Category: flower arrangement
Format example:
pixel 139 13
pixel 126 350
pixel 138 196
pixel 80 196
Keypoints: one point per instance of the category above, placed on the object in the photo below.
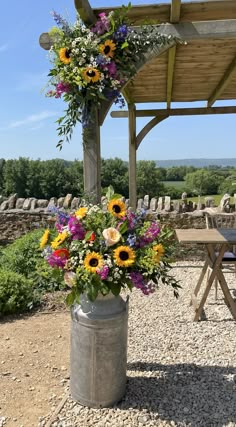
pixel 90 65
pixel 105 249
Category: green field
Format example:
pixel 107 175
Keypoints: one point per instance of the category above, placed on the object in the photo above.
pixel 177 184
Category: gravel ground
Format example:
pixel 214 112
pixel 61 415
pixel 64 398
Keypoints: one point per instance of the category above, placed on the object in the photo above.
pixel 179 373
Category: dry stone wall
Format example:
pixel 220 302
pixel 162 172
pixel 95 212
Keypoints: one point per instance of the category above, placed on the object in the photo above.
pixel 18 215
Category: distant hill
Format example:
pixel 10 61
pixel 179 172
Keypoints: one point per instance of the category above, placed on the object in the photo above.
pixel 198 163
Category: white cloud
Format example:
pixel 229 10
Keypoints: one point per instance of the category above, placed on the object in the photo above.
pixel 33 118
pixel 3 47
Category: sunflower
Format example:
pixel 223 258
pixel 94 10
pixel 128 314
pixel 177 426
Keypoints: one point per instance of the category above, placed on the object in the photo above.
pixel 108 48
pixel 59 239
pixel 81 212
pixel 124 256
pixel 92 262
pixel 64 55
pixel 158 252
pixel 91 74
pixel 44 239
pixel 117 208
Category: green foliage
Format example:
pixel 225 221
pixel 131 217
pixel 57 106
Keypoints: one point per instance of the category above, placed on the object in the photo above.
pixel 228 185
pixel 16 293
pixel 115 172
pixel 24 257
pixel 148 180
pixel 203 182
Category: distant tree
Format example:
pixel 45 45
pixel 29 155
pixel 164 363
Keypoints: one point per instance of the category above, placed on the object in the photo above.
pixel 2 163
pixel 203 182
pixel 228 185
pixel 148 181
pixel 115 172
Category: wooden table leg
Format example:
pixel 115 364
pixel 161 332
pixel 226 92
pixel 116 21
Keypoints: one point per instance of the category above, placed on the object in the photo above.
pixel 228 298
pixel 215 264
pixel 198 286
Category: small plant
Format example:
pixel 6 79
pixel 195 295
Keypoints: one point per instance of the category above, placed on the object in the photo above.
pixel 16 293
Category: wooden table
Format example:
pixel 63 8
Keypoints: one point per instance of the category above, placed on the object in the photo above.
pixel 222 238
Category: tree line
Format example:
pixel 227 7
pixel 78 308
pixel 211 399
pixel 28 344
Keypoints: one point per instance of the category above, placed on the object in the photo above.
pixel 44 179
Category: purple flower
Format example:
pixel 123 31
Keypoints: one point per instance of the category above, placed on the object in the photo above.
pixel 112 69
pixel 61 88
pixel 61 22
pixel 150 234
pixel 131 219
pixel 121 33
pixel 103 272
pixel 140 282
pixel 131 240
pixel 101 60
pixel 76 228
pixel 62 220
pixel 56 261
pixel 102 25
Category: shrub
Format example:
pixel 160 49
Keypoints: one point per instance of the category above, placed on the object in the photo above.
pixel 16 293
pixel 24 257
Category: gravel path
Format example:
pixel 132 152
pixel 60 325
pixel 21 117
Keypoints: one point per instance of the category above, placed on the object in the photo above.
pixel 180 372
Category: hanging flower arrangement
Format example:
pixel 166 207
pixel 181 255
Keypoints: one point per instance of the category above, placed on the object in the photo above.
pixel 92 64
pixel 106 249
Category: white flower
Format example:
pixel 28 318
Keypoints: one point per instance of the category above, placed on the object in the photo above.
pixel 84 55
pixel 111 236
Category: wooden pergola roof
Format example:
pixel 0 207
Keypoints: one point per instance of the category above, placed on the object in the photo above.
pixel 204 69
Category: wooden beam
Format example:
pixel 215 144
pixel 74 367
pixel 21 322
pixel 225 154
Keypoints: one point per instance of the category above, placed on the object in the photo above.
pixel 177 112
pixel 132 157
pixel 174 18
pixel 85 11
pixel 190 11
pixel 223 83
pixel 149 126
pixel 200 30
pixel 92 160
pixel 170 74
pixel 175 11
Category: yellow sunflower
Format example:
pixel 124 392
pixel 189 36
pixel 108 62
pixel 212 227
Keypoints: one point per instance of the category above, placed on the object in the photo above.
pixel 117 208
pixel 158 252
pixel 44 239
pixel 59 239
pixel 91 74
pixel 64 55
pixel 81 212
pixel 93 261
pixel 108 48
pixel 124 256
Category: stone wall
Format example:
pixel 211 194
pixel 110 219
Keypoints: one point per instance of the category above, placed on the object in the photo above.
pixel 18 216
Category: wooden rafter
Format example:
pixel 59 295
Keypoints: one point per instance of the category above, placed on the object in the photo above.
pixel 177 112
pixel 175 11
pixel 223 83
pixel 85 11
pixel 174 18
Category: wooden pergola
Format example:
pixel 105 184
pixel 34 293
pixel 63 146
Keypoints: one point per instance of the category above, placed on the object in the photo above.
pixel 204 69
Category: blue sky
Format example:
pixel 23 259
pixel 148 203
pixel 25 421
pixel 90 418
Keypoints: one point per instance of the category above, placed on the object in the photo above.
pixel 27 120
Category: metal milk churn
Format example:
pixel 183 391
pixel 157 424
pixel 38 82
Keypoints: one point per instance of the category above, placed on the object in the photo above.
pixel 98 355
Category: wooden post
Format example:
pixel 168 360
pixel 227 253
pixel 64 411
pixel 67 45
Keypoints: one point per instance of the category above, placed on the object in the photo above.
pixel 92 160
pixel 132 157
